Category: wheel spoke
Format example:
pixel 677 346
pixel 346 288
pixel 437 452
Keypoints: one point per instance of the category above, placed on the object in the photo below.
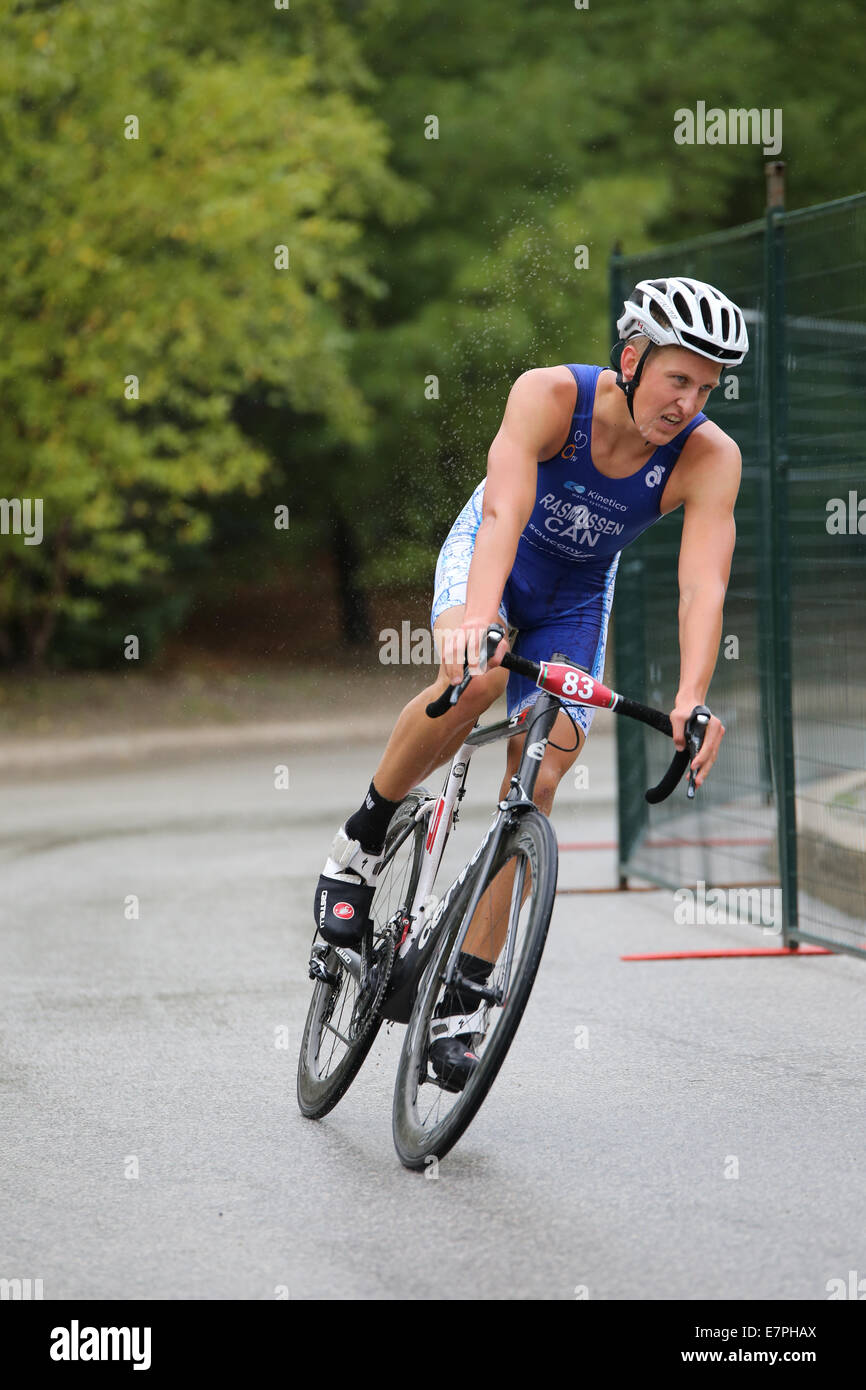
pixel 340 1035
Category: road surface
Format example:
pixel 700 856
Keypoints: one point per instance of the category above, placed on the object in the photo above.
pixel 662 1130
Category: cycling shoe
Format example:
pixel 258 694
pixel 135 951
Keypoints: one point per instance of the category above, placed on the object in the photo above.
pixel 345 891
pixel 453 1061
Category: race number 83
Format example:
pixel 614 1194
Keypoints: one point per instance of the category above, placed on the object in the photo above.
pixel 573 683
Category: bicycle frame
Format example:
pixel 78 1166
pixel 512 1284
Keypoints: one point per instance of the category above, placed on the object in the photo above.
pixel 424 913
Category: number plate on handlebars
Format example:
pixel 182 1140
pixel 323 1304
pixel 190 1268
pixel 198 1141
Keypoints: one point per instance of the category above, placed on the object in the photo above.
pixel 574 684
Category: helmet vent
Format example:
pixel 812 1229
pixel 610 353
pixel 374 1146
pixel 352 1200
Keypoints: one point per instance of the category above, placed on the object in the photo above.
pixel 726 323
pixel 659 315
pixel 682 306
pixel 718 354
pixel 706 314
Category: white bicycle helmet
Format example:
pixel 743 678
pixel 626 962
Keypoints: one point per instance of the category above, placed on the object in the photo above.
pixel 683 313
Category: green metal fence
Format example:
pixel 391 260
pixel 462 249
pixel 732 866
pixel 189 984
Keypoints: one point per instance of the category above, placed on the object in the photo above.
pixel 786 802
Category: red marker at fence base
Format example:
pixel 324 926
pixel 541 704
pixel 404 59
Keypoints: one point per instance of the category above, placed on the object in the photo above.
pixel 804 950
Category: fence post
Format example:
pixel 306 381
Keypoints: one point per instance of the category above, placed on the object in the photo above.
pixel 781 720
pixel 629 655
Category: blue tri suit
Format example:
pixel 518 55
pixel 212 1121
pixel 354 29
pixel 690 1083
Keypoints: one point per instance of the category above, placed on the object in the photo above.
pixel 560 590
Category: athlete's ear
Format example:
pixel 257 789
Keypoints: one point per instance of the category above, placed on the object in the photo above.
pixel 616 354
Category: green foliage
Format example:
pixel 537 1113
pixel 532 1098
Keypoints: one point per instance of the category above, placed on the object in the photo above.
pixel 155 258
pixel 409 258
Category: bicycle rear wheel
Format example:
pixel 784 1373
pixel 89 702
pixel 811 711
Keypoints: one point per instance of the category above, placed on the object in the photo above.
pixel 344 1016
pixel 428 1119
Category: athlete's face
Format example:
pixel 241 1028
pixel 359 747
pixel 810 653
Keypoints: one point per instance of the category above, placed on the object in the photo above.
pixel 675 384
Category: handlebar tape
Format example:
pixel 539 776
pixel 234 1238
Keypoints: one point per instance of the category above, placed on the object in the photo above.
pixel 663 789
pixel 695 730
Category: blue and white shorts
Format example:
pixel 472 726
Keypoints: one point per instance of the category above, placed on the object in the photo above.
pixel 549 606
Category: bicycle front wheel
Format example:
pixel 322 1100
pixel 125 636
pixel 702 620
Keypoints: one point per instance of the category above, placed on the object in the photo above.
pixel 519 887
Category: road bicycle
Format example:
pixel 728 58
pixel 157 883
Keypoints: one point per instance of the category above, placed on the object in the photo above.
pixel 411 959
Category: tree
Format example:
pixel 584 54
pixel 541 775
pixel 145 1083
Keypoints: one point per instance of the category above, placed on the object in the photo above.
pixel 182 223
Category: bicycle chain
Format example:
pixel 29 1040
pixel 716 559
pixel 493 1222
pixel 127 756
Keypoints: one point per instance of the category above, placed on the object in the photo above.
pixel 362 1017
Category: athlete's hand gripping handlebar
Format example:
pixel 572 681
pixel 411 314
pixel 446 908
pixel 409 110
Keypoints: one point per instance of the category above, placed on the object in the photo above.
pixel 696 728
pixel 449 697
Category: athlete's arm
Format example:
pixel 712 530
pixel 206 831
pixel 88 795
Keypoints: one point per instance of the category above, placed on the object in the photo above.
pixel 706 550
pixel 509 496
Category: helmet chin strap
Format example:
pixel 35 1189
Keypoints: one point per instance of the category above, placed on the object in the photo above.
pixel 628 388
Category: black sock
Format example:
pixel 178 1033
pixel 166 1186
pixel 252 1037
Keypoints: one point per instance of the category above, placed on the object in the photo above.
pixel 370 822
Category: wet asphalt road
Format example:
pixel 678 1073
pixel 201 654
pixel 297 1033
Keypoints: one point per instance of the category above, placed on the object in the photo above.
pixel 706 1142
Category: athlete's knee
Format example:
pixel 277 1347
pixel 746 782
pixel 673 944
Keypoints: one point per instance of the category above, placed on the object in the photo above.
pixel 488 687
pixel 479 694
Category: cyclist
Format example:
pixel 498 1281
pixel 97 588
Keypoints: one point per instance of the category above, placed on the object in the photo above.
pixel 586 458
